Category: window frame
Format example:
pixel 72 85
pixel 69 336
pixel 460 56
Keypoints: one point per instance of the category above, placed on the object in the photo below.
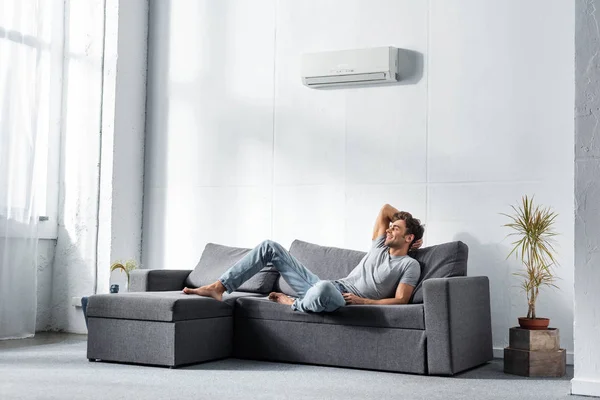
pixel 48 219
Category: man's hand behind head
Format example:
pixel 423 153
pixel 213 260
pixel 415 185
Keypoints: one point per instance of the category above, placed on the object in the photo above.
pixel 417 244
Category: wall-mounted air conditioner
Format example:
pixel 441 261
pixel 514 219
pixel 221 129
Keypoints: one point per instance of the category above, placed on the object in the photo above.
pixel 350 67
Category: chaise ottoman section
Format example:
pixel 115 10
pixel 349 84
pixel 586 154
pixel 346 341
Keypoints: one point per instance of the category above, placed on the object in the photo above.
pixel 160 328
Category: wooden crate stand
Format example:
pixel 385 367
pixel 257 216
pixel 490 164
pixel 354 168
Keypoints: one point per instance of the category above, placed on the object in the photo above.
pixel 535 353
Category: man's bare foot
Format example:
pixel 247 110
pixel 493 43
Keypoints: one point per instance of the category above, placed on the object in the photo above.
pixel 214 290
pixel 281 298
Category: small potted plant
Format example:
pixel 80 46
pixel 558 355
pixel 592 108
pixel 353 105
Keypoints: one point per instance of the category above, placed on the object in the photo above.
pixel 533 228
pixel 129 266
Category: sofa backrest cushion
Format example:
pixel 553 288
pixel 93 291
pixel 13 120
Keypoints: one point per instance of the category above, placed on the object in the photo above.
pixel 325 262
pixel 440 261
pixel 216 259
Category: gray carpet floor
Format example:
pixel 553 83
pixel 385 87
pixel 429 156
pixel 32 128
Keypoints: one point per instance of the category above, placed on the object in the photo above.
pixel 54 366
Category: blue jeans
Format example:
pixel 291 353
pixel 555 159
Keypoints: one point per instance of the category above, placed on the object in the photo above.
pixel 314 294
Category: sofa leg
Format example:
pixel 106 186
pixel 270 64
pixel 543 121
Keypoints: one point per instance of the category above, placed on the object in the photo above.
pixel 93 359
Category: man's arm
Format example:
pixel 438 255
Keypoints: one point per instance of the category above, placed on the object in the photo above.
pixel 383 220
pixel 403 293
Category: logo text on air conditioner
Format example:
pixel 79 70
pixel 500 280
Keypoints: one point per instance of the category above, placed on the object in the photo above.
pixel 341 70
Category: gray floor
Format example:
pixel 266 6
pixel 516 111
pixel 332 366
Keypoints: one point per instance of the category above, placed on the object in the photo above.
pixel 54 366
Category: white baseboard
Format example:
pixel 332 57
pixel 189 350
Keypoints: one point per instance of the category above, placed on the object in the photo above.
pixel 499 353
pixel 585 387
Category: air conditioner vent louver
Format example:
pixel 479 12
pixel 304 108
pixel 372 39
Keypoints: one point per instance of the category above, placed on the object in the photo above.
pixel 347 79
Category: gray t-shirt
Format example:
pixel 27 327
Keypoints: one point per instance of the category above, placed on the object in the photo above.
pixel 378 274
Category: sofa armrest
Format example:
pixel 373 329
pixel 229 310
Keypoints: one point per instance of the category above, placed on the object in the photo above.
pixel 458 323
pixel 157 280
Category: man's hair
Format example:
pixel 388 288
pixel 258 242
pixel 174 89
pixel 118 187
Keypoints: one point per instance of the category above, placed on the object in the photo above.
pixel 413 225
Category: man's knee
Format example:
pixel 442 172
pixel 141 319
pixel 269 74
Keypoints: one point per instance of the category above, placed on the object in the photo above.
pixel 323 296
pixel 323 289
pixel 335 299
pixel 271 244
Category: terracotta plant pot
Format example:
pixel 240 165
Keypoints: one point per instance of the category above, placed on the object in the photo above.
pixel 534 323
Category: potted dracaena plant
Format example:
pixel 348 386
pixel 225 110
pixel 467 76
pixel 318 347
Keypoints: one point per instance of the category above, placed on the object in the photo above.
pixel 129 266
pixel 533 228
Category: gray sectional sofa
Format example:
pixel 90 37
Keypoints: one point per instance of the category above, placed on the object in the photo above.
pixel 445 329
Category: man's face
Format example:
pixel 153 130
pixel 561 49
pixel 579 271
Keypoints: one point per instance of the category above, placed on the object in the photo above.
pixel 396 235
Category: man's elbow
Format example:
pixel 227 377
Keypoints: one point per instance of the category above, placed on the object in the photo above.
pixel 402 300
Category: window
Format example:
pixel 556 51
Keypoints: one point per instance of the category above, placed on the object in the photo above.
pixel 45 38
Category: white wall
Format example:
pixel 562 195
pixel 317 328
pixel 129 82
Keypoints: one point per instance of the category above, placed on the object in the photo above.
pixel 237 150
pixel 43 321
pixel 500 126
pixel 123 129
pixel 587 194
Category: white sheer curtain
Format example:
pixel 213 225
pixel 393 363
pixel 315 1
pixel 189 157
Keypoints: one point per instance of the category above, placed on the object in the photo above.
pixel 27 63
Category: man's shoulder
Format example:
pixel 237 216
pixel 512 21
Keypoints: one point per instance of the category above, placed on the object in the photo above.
pixel 378 250
pixel 411 259
pixel 410 262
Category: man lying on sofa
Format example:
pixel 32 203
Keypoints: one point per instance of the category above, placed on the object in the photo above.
pixel 386 275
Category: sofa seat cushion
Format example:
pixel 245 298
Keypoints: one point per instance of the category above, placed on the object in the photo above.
pixel 408 316
pixel 160 306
